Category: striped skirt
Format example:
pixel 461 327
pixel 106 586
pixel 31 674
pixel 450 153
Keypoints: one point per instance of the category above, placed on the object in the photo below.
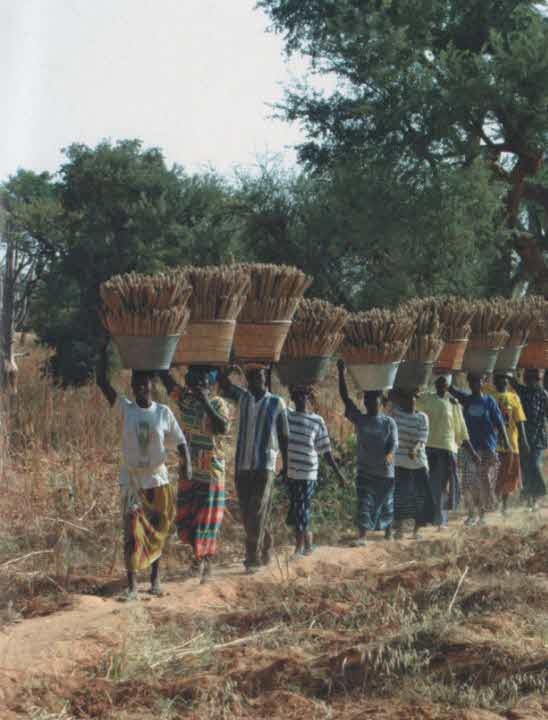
pixel 412 496
pixel 300 494
pixel 148 518
pixel 478 480
pixel 200 510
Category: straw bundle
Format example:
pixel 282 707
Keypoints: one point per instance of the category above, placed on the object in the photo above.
pixel 521 318
pixel 377 336
pixel 538 310
pixel 426 343
pixel 145 305
pixel 218 293
pixel 455 314
pixel 274 293
pixel 488 324
pixel 317 330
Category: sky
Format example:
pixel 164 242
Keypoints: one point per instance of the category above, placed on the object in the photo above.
pixel 193 77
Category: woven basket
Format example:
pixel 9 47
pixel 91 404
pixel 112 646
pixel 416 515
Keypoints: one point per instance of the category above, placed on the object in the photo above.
pixel 535 355
pixel 143 352
pixel 452 355
pixel 260 341
pixel 206 343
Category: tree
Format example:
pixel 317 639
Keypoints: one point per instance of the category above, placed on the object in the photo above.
pixel 121 209
pixel 25 257
pixel 427 85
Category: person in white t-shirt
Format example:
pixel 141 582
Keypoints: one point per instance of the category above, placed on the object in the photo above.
pixel 148 500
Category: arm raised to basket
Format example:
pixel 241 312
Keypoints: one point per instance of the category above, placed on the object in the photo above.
pixel 350 406
pixel 101 376
pixel 230 390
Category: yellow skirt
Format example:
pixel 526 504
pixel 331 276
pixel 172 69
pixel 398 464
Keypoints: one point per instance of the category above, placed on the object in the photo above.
pixel 147 525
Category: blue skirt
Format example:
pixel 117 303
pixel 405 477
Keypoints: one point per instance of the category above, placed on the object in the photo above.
pixel 375 502
pixel 300 494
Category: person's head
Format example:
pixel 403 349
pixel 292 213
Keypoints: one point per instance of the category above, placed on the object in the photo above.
pixel 256 379
pixel 372 399
pixel 475 382
pixel 201 376
pixel 141 384
pixel 405 399
pixel 442 385
pixel 300 395
pixel 532 376
pixel 501 382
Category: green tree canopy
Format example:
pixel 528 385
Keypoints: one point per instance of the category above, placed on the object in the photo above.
pixel 425 85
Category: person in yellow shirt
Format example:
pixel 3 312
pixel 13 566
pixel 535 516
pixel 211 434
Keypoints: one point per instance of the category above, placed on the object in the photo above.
pixel 509 474
pixel 448 433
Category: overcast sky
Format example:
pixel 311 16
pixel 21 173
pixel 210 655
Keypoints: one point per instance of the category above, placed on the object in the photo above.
pixel 193 77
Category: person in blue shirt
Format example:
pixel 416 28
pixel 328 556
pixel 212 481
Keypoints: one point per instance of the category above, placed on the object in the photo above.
pixel 377 437
pixel 486 426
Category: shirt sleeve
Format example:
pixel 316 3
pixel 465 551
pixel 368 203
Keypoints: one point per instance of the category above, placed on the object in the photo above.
pixel 423 429
pixel 518 408
pixel 495 413
pixel 322 442
pixel 282 421
pixel 459 426
pixel 460 395
pixel 174 433
pixel 392 440
pixel 122 404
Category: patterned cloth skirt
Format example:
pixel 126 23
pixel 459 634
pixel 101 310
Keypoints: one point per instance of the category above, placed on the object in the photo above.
pixel 200 510
pixel 479 480
pixel 148 518
pixel 375 502
pixel 300 494
pixel 509 474
pixel 413 497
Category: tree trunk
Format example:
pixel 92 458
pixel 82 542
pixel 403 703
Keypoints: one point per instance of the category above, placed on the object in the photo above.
pixel 8 369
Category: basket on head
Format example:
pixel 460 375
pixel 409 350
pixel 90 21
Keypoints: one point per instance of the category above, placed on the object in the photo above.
pixel 535 355
pixel 455 314
pixel 218 294
pixel 145 315
pixel 265 319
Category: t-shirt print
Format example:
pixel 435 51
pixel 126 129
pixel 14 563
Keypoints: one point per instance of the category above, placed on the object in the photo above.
pixel 143 441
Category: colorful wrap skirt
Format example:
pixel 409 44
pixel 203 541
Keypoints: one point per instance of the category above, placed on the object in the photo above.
pixel 508 475
pixel 200 510
pixel 147 518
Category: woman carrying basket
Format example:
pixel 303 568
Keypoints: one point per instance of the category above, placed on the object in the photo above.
pixel 377 436
pixel 201 499
pixel 148 504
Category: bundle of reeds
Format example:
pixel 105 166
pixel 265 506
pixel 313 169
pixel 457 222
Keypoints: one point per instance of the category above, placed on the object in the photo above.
pixel 218 292
pixel 317 330
pixel 520 319
pixel 274 293
pixel 538 309
pixel 488 324
pixel 377 336
pixel 426 342
pixel 145 305
pixel 455 314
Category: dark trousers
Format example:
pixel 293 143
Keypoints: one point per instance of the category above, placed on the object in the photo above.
pixel 254 488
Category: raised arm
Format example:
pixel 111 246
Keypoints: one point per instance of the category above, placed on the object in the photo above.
pixel 350 406
pixel 230 390
pixel 169 381
pixel 101 376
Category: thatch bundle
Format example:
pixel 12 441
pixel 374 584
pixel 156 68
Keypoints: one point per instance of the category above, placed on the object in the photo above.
pixel 274 293
pixel 377 336
pixel 145 305
pixel 455 314
pixel 538 310
pixel 218 292
pixel 521 317
pixel 317 330
pixel 426 342
pixel 488 324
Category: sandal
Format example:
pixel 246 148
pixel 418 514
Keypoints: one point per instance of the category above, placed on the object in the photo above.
pixel 128 596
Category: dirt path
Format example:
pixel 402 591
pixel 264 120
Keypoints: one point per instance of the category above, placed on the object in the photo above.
pixel 59 645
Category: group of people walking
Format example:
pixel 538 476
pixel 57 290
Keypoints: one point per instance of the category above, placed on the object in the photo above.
pixel 413 459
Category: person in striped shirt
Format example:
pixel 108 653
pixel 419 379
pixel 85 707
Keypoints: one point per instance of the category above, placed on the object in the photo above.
pixel 308 440
pixel 262 436
pixel 412 496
